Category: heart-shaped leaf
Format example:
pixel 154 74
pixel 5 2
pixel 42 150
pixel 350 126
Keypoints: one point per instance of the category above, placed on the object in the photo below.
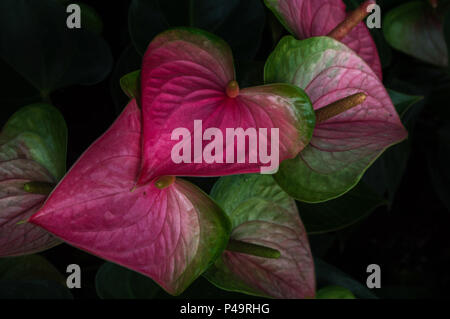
pixel 32 149
pixel 312 18
pixel 239 22
pixel 263 214
pixel 415 28
pixel 344 146
pixel 188 84
pixel 36 41
pixel 170 234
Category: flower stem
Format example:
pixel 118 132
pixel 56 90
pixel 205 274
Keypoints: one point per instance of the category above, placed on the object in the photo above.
pixel 338 107
pixel 232 89
pixel 42 188
pixel 252 249
pixel 352 20
pixel 165 181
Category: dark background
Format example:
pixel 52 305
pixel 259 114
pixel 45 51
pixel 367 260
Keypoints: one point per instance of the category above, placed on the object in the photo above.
pixel 408 238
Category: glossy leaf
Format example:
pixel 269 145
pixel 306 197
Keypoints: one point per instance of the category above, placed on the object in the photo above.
pixel 239 22
pixel 32 149
pixel 36 42
pixel 312 18
pixel 344 146
pixel 185 76
pixel 262 213
pixel 341 212
pixel 415 28
pixel 170 234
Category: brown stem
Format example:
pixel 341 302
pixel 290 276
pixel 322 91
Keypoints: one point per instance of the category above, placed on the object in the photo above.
pixel 338 107
pixel 351 21
pixel 232 89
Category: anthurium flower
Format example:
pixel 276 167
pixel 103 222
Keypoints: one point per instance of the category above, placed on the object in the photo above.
pixel 32 159
pixel 416 28
pixel 188 83
pixel 277 262
pixel 168 230
pixel 311 18
pixel 343 146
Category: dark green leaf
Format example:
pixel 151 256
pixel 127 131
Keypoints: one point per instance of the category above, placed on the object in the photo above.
pixel 90 19
pixel 128 61
pixel 239 22
pixel 386 174
pixel 36 42
pixel 339 213
pixel 438 165
pixel 116 282
pixel 33 289
pixel 29 267
pixel 403 102
pixel 31 277
pixel 15 92
pixel 415 28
